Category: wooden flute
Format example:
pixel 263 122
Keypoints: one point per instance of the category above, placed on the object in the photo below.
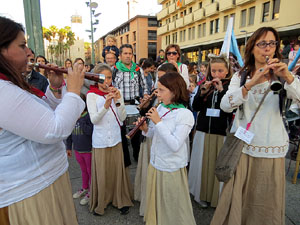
pixel 140 106
pixel 100 78
pixel 136 128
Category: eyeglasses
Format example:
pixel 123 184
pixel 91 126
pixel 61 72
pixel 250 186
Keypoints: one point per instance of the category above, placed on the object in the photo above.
pixel 172 53
pixel 264 44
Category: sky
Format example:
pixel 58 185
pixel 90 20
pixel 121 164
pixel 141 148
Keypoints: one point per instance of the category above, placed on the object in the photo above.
pixel 59 12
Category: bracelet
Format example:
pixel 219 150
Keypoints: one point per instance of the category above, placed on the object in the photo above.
pixel 246 88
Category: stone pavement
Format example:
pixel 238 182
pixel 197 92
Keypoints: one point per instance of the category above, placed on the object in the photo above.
pixel 202 216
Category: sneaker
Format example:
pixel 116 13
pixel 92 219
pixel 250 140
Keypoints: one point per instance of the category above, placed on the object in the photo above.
pixel 80 193
pixel 203 204
pixel 85 200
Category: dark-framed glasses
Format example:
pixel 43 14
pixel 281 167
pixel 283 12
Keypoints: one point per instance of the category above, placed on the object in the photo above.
pixel 264 44
pixel 172 53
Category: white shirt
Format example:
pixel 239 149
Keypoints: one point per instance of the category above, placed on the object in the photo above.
pixel 169 150
pixel 106 131
pixel 32 152
pixel 271 139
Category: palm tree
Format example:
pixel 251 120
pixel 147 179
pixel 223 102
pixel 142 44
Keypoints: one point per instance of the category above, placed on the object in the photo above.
pixel 70 39
pixel 62 34
pixel 47 34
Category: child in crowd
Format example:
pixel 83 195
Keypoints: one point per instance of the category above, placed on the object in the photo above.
pixel 144 155
pixel 168 201
pixel 111 43
pixel 193 89
pixel 210 132
pixel 110 179
pixel 202 75
pixel 81 141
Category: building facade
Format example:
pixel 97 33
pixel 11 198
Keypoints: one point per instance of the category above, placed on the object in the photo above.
pixel 140 32
pixel 199 26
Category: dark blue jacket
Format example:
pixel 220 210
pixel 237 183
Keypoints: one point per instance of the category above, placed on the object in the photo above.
pixel 38 81
pixel 81 137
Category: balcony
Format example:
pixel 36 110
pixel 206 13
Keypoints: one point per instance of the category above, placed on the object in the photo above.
pixel 162 14
pixel 242 2
pixel 172 26
pixel 182 4
pixel 188 19
pixel 179 22
pixel 211 9
pixel 199 14
pixel 188 1
pixel 163 29
pixel 172 8
pixel 226 5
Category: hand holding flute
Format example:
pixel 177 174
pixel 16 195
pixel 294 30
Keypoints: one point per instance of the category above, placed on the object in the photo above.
pixel 141 122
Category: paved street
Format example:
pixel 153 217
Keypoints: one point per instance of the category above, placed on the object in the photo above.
pixel 202 216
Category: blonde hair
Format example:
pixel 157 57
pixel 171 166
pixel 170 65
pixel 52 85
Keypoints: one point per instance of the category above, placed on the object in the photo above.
pixel 110 36
pixel 218 59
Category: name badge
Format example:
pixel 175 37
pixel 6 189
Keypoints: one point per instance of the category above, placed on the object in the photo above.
pixel 244 135
pixel 213 112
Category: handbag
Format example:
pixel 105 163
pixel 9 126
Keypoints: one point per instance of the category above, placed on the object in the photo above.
pixel 231 151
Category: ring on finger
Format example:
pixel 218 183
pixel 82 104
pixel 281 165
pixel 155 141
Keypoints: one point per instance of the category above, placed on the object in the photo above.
pixel 261 69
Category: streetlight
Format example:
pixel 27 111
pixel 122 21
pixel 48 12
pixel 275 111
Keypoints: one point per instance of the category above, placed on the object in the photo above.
pixel 246 34
pixel 93 6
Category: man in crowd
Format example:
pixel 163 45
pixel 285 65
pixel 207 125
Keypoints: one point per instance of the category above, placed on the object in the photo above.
pixel 110 59
pixel 35 78
pixel 130 80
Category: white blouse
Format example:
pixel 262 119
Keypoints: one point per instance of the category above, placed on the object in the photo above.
pixel 270 137
pixel 170 145
pixel 32 152
pixel 106 131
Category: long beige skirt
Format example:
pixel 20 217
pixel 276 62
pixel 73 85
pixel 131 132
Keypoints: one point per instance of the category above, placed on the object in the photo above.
pixel 210 185
pixel 140 181
pixel 168 200
pixel 255 195
pixel 110 180
pixel 53 205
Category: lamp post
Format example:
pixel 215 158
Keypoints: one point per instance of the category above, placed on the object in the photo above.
pixel 93 5
pixel 246 34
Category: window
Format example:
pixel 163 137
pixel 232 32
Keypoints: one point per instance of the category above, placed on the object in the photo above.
pixel 191 10
pixel 121 40
pixel 200 5
pixel 211 30
pixel 174 38
pixel 127 38
pixel 217 25
pixel 134 36
pixel 152 35
pixel 266 9
pixel 233 16
pixel 152 48
pixel 251 15
pixel 166 40
pixel 174 18
pixel 184 35
pixel 193 33
pixel 199 31
pixel 204 29
pixel 190 33
pixel 134 48
pixel 276 6
pixel 225 23
pixel 180 36
pixel 212 1
pixel 243 17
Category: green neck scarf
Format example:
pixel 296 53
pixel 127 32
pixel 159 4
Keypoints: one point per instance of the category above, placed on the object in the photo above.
pixel 173 106
pixel 178 63
pixel 123 68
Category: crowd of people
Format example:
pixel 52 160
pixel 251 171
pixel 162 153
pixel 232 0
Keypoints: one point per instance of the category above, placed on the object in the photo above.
pixel 45 116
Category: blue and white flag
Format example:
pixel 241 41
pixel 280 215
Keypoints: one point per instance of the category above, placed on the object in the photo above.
pixel 230 44
pixel 293 64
